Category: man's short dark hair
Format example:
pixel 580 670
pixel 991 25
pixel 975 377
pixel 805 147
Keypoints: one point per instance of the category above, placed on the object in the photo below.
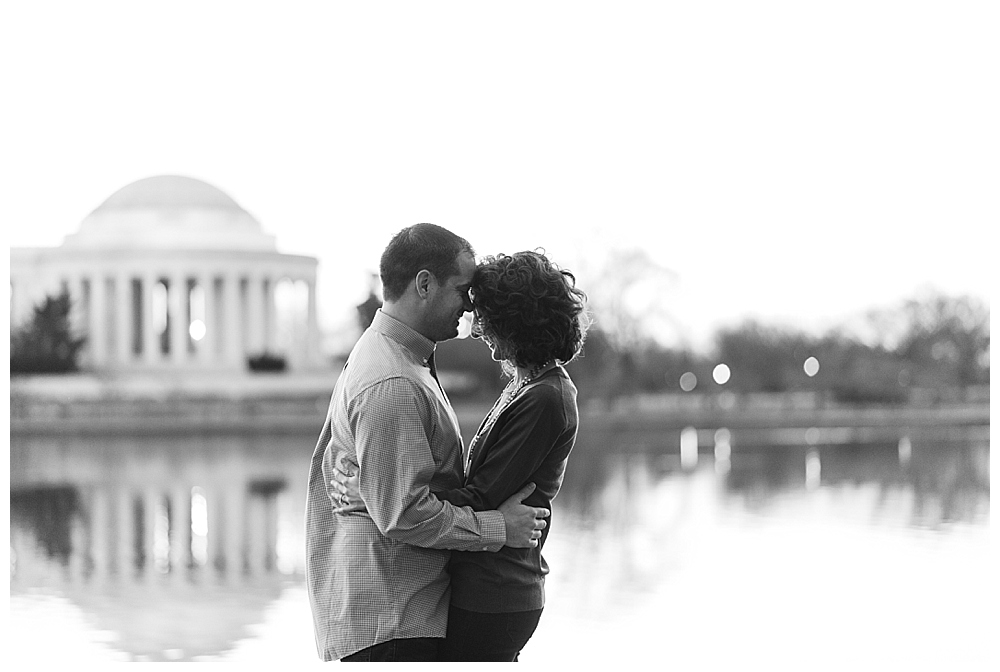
pixel 419 247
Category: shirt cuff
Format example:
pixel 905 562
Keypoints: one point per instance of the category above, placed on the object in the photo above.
pixel 494 530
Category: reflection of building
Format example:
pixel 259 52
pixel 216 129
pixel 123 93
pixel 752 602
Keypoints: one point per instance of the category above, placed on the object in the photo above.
pixel 171 541
pixel 170 272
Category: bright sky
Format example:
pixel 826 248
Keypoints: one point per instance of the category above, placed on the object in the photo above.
pixel 794 161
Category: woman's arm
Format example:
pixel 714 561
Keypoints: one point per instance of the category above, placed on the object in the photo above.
pixel 506 459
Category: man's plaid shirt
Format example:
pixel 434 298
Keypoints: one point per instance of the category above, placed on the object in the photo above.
pixel 380 574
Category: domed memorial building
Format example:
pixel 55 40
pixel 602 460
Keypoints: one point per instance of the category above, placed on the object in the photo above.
pixel 171 273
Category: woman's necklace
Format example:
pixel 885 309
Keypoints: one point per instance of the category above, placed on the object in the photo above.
pixel 502 403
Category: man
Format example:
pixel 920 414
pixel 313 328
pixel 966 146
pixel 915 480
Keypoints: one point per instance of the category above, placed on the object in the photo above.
pixel 376 578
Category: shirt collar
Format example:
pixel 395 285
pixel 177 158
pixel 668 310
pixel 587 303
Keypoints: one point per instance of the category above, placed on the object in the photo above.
pixel 405 335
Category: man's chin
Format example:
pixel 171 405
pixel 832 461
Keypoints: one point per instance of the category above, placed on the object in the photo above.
pixel 447 335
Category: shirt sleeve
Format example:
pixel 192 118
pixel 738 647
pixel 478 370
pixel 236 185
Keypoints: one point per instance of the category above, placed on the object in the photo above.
pixel 524 435
pixel 392 425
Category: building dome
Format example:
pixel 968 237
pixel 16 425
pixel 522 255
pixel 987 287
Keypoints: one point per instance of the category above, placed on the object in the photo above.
pixel 169 192
pixel 170 212
pixel 170 273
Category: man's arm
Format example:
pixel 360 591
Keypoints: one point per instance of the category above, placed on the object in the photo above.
pixel 524 524
pixel 391 423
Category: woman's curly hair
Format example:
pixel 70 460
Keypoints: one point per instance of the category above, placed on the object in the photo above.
pixel 528 309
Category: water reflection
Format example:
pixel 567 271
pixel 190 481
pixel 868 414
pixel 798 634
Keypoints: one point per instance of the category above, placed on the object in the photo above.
pixel 704 567
pixel 190 548
pixel 174 546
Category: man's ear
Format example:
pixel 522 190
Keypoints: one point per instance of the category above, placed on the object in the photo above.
pixel 423 283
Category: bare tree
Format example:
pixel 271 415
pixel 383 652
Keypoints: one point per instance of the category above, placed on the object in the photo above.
pixel 629 296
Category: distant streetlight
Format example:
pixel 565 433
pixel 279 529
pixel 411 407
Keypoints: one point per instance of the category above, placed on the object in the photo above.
pixel 720 374
pixel 811 366
pixel 688 381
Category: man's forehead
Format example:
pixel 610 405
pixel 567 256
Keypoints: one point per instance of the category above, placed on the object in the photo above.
pixel 466 269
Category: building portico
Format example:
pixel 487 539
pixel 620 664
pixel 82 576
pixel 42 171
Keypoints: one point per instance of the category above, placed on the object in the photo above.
pixel 170 272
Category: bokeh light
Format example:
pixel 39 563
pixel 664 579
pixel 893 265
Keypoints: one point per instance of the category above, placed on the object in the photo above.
pixel 720 374
pixel 688 381
pixel 689 448
pixel 811 366
pixel 199 526
pixel 813 469
pixel 723 450
pixel 197 330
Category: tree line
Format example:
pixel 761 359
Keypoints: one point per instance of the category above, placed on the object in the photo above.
pixel 934 342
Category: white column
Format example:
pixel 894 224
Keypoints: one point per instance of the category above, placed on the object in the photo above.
pixel 215 498
pixel 78 553
pixel 206 348
pixel 271 532
pixel 98 328
pixel 312 326
pixel 123 318
pixel 78 309
pixel 180 532
pixel 270 315
pixel 214 311
pixel 291 324
pixel 256 534
pixel 125 537
pixel 150 500
pixel 255 312
pixel 213 318
pixel 100 554
pixel 232 336
pixel 150 339
pixel 178 301
pixel 234 532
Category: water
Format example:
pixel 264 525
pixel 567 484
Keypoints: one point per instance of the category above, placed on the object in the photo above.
pixel 792 556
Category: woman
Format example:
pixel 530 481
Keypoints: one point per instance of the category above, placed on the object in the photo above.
pixel 533 318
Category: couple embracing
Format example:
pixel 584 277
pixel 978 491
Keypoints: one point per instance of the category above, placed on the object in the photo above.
pixel 418 547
